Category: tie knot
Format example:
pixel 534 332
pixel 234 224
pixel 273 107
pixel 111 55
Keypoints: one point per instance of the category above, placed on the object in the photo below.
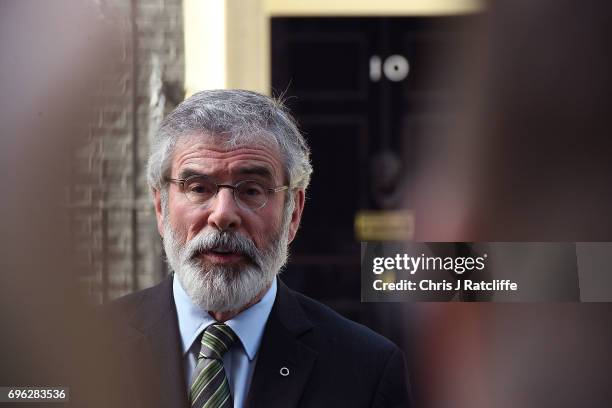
pixel 216 340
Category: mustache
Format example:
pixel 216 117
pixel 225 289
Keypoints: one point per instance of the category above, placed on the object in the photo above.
pixel 224 241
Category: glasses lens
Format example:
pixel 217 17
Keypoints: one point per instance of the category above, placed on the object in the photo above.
pixel 200 189
pixel 251 194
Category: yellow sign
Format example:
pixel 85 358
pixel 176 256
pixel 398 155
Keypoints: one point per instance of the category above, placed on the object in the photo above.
pixel 396 225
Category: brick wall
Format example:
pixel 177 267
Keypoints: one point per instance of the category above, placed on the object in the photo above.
pixel 113 222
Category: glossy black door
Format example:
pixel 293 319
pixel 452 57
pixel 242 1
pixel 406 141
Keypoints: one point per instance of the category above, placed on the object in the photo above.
pixel 362 92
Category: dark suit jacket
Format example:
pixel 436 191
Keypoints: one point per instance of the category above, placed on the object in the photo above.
pixel 332 361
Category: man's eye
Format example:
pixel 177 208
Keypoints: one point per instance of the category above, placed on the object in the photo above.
pixel 251 190
pixel 199 188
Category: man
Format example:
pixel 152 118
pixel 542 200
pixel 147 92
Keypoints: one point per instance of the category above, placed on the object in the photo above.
pixel 229 171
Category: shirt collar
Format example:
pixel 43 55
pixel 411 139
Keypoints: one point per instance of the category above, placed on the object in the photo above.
pixel 248 325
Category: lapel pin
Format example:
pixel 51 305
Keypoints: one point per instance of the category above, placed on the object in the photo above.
pixel 284 371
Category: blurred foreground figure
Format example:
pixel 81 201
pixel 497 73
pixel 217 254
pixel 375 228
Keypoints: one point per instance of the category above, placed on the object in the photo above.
pixel 51 54
pixel 228 172
pixel 529 160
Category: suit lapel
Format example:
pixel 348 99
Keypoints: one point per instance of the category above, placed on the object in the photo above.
pixel 284 362
pixel 158 351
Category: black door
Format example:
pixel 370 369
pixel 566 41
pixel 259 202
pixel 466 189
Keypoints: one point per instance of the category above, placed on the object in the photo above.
pixel 362 92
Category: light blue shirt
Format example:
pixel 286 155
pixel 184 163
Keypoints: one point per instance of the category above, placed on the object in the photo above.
pixel 240 360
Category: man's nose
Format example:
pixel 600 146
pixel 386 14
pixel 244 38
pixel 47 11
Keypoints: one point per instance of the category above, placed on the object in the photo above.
pixel 224 212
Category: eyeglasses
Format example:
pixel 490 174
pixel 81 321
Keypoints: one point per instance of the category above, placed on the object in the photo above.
pixel 248 194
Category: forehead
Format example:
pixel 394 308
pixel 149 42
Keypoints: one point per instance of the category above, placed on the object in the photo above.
pixel 210 155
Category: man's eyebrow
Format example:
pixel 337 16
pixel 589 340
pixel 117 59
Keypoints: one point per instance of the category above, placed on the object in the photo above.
pixel 186 173
pixel 255 171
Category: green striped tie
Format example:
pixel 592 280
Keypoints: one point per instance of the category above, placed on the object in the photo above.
pixel 210 388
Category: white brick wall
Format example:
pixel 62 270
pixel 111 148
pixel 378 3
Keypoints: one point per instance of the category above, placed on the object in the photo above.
pixel 113 223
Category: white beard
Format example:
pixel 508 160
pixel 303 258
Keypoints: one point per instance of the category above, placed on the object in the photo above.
pixel 222 288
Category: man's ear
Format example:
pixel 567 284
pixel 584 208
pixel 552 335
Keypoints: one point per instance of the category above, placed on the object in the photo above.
pixel 158 211
pixel 296 216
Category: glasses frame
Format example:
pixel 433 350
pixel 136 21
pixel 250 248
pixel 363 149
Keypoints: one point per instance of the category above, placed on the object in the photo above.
pixel 234 188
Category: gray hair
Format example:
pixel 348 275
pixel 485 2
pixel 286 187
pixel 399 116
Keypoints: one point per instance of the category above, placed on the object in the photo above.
pixel 238 116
